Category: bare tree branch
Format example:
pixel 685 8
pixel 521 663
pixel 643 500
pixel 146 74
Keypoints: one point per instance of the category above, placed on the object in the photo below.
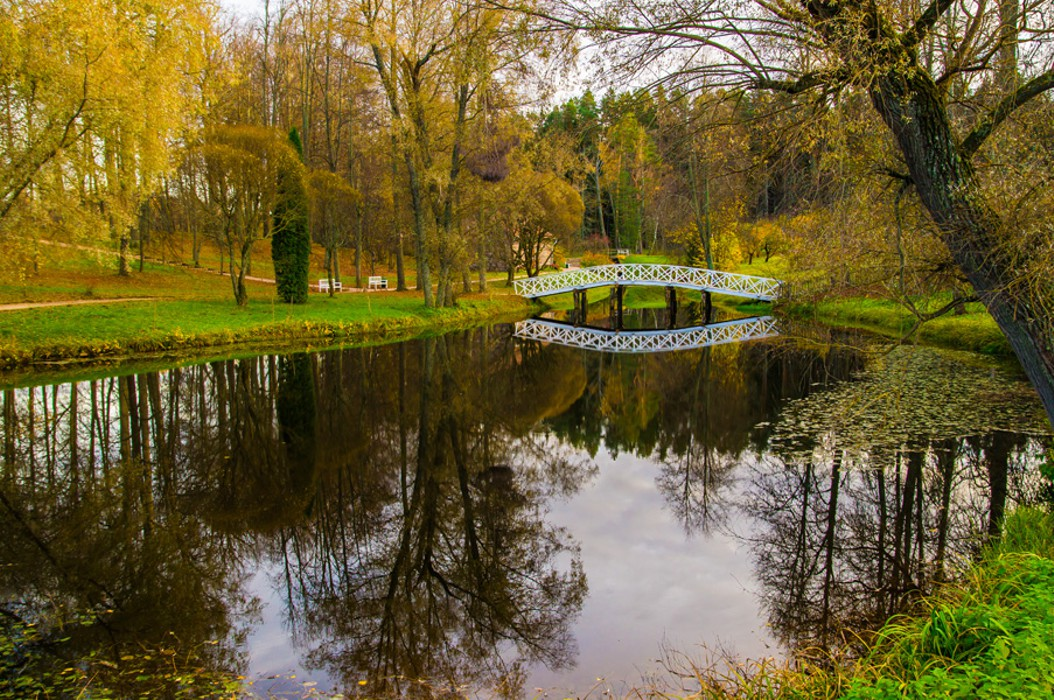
pixel 925 23
pixel 1037 86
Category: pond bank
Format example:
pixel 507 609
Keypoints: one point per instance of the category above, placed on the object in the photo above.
pixel 986 635
pixel 974 331
pixel 110 332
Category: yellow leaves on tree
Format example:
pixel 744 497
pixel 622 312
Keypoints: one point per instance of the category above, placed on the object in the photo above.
pixel 334 211
pixel 542 209
pixel 724 238
pixel 242 166
pixel 94 96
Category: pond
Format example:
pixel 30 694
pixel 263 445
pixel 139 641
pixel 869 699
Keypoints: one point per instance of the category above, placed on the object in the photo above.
pixel 486 515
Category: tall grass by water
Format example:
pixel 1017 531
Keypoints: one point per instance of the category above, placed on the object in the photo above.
pixel 988 635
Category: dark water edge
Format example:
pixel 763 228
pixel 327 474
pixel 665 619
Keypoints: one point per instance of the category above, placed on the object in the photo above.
pixel 494 515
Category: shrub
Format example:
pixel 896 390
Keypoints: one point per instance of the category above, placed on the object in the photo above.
pixel 595 259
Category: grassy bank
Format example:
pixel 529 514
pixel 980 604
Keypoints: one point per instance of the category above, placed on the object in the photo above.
pixel 115 331
pixel 173 309
pixel 989 636
pixel 974 330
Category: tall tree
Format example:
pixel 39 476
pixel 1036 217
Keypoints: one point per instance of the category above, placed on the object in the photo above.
pixel 93 98
pixel 242 166
pixel 334 214
pixel 437 61
pixel 291 237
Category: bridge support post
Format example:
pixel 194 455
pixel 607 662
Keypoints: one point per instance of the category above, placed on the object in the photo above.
pixel 671 307
pixel 580 304
pixel 615 306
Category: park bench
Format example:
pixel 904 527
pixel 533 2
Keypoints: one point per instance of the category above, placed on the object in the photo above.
pixel 323 285
pixel 377 282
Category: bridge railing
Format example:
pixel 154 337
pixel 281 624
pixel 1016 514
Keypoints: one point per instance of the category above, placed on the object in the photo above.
pixel 650 275
pixel 647 341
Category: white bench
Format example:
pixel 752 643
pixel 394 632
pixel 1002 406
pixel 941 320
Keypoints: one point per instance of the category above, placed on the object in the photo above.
pixel 377 282
pixel 323 285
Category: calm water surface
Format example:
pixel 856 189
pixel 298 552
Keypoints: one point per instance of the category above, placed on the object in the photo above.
pixel 500 516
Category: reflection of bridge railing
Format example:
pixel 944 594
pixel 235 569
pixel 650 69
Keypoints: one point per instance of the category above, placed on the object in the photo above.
pixel 653 276
pixel 647 341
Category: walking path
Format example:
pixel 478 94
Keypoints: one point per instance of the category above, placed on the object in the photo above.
pixel 70 302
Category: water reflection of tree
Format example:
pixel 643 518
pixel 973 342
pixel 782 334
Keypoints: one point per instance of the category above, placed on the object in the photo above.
pixel 403 491
pixel 428 577
pixel 697 413
pixel 97 551
pixel 870 492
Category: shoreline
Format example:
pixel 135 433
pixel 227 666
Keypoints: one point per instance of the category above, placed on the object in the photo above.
pixel 974 332
pixel 67 354
pixel 57 337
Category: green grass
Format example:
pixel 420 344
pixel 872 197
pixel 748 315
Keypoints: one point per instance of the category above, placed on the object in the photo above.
pixel 108 331
pixel 657 259
pixel 991 636
pixel 975 330
pixel 776 268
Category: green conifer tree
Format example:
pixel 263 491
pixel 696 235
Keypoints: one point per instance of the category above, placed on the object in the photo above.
pixel 291 239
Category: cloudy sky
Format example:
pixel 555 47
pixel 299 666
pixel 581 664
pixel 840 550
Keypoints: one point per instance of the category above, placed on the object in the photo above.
pixel 244 8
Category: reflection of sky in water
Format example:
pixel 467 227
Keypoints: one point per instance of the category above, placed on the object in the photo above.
pixel 652 588
pixel 270 646
pixel 650 585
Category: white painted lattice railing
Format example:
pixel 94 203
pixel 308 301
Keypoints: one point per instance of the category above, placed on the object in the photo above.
pixel 647 341
pixel 651 275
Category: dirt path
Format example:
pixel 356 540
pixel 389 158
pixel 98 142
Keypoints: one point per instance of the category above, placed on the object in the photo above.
pixel 70 302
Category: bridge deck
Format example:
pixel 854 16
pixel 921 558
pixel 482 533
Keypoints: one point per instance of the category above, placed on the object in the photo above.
pixel 647 341
pixel 635 274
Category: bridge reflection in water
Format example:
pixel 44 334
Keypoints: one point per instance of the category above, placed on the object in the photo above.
pixel 622 341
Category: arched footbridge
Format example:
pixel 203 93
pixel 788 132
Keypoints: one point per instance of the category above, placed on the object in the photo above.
pixel 647 341
pixel 635 274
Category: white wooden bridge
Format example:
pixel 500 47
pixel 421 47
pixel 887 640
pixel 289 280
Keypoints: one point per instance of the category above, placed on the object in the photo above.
pixel 635 274
pixel 647 341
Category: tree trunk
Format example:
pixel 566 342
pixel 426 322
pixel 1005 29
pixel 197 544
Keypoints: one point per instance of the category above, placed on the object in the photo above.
pixel 948 187
pixel 701 210
pixel 424 278
pixel 400 262
pixel 446 219
pixel 600 202
pixel 359 235
pixel 142 222
pixel 238 277
pixel 122 259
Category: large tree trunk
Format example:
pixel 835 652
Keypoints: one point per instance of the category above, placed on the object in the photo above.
pixel 948 187
pixel 424 277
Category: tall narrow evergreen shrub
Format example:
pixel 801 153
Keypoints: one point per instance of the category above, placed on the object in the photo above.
pixel 291 239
